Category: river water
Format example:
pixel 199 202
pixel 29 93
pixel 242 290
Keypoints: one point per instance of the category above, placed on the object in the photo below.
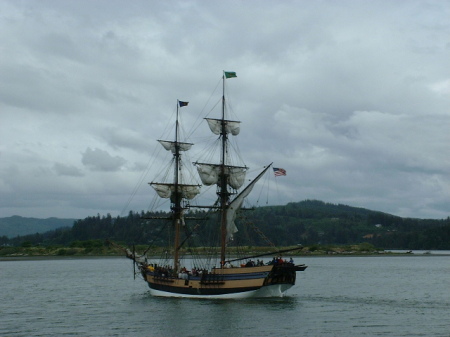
pixel 407 295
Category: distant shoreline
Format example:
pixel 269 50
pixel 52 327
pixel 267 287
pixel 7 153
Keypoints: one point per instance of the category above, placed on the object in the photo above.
pixel 389 253
pixel 56 257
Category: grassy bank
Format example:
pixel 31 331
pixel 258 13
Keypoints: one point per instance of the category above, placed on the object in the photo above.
pixel 99 248
pixel 56 251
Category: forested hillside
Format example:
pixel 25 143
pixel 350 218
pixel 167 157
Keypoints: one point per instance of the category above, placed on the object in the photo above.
pixel 17 225
pixel 307 222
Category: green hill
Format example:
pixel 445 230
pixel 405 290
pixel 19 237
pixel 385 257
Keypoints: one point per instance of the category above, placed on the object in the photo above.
pixel 16 225
pixel 307 222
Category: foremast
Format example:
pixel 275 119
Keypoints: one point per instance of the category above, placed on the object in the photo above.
pixel 177 191
pixel 176 202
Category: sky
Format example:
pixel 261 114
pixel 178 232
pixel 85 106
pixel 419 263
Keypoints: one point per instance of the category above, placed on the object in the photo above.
pixel 350 97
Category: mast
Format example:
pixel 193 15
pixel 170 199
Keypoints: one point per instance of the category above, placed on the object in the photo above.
pixel 228 177
pixel 176 202
pixel 223 190
pixel 176 191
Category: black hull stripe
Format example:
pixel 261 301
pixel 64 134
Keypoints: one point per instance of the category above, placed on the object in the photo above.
pixel 199 291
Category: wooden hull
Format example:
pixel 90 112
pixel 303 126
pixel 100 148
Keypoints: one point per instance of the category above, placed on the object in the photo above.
pixel 262 281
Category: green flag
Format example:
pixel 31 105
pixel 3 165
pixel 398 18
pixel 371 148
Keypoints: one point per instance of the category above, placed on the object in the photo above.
pixel 230 74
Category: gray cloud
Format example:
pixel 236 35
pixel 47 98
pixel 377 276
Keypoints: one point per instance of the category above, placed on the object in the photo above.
pixel 125 138
pixel 67 170
pixel 100 160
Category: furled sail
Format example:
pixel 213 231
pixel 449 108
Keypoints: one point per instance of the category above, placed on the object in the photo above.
pixel 236 204
pixel 209 174
pixel 215 125
pixel 170 146
pixel 167 190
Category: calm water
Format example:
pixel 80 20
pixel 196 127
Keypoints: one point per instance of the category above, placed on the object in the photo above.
pixel 335 296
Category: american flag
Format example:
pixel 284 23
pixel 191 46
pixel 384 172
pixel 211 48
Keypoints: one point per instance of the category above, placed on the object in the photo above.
pixel 279 171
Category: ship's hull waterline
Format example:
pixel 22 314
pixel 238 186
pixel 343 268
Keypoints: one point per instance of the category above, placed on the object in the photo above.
pixel 233 283
pixel 276 290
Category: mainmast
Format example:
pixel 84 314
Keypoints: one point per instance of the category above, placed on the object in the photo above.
pixel 228 177
pixel 223 189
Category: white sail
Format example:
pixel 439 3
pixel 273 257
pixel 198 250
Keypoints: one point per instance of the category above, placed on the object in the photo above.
pixel 236 177
pixel 170 146
pixel 163 190
pixel 232 127
pixel 166 190
pixel 209 174
pixel 236 204
pixel 190 191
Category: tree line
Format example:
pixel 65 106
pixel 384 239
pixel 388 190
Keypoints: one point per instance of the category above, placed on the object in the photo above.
pixel 307 222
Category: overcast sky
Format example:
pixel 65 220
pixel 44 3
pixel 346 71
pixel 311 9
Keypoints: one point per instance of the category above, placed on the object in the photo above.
pixel 351 98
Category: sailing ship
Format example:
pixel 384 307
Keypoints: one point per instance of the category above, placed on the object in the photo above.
pixel 224 275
